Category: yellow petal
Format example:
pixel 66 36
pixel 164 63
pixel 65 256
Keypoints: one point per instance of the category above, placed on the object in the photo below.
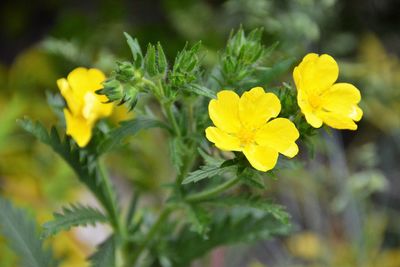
pixel 79 82
pixel 78 128
pixel 94 109
pixel 75 104
pixel 337 120
pixel 315 74
pixel 224 111
pixel 223 140
pixel 256 107
pixel 300 68
pixel 96 77
pixel 343 98
pixel 292 151
pixel 356 113
pixel 82 80
pixel 279 134
pixel 261 158
pixel 312 119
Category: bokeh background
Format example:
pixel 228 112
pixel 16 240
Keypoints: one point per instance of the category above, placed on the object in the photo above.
pixel 344 197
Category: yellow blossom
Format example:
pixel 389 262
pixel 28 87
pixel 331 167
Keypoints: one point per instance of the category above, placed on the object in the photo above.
pixel 321 99
pixel 245 124
pixel 85 107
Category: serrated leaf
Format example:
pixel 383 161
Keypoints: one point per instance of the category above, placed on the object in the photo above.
pixel 75 215
pixel 254 202
pixel 225 229
pixel 20 232
pixel 206 171
pixel 85 165
pixel 127 128
pixel 199 219
pixel 104 255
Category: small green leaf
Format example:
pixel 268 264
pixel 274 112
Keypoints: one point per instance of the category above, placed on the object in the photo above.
pixel 162 60
pixel 253 202
pixel 127 128
pixel 135 49
pixel 104 255
pixel 199 218
pixel 150 61
pixel 76 215
pixel 252 178
pixel 201 90
pixel 206 171
pixel 20 232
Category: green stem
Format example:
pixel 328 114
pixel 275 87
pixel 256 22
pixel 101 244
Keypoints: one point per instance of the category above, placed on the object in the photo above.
pixel 198 197
pixel 150 234
pixel 112 206
pixel 171 117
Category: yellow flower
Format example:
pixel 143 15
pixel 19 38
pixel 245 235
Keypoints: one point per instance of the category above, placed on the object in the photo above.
pixel 85 107
pixel 244 124
pixel 321 99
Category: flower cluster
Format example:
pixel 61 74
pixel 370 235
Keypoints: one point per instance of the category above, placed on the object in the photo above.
pixel 85 107
pixel 246 123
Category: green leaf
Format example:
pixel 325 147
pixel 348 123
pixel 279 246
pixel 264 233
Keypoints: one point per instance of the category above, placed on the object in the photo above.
pixel 20 232
pixel 201 90
pixel 127 128
pixel 105 254
pixel 150 61
pixel 162 60
pixel 199 218
pixel 135 49
pixel 209 160
pixel 81 161
pixel 253 202
pixel 252 178
pixel 206 171
pixel 76 215
pixel 177 152
pixel 226 228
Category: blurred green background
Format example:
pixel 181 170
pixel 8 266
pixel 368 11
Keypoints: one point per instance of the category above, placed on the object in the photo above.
pixel 345 201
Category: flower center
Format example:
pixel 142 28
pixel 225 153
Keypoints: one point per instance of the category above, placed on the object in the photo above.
pixel 315 101
pixel 246 137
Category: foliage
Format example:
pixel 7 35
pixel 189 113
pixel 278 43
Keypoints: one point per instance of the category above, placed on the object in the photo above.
pixel 20 232
pixel 75 215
